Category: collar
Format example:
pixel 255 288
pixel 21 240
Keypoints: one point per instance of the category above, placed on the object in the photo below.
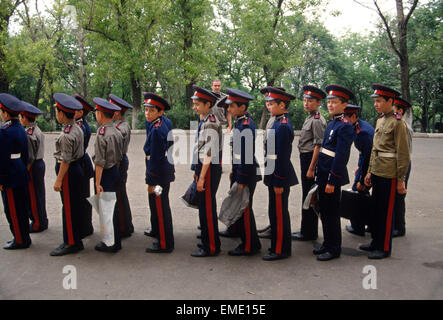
pixel 243 117
pixel 156 120
pixel 339 116
pixel 207 117
pixel 280 116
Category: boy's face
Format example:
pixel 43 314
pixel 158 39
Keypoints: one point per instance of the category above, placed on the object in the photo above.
pixel 23 120
pixel 78 114
pixel 201 107
pixel 336 106
pixel 382 105
pixel 61 118
pixel 235 110
pixel 311 104
pixel 152 113
pixel 3 114
pixel 275 108
pixel 99 116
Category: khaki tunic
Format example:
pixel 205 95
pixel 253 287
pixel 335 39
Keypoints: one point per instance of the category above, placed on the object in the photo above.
pixel 69 145
pixel 108 146
pixel 123 127
pixel 391 136
pixel 312 132
pixel 36 143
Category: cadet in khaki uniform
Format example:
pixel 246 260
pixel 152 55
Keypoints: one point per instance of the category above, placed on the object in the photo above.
pixel 68 154
pixel 123 207
pixel 108 154
pixel 309 145
pixel 387 171
pixel 36 168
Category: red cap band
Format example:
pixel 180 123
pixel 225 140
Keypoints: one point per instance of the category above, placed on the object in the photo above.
pixel 339 94
pixel 203 96
pixel 237 99
pixel 63 108
pixel 99 108
pixel 29 115
pixel 123 109
pixel 313 94
pixel 155 103
pixel 401 103
pixel 385 93
pixel 278 96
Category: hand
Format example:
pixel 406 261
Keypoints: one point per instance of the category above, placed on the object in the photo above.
pixel 278 191
pixel 310 174
pixel 1 188
pixel 230 176
pixel 241 186
pixel 360 187
pixel 151 189
pixel 201 185
pixel 98 189
pixel 401 187
pixel 329 189
pixel 57 186
pixel 368 180
pixel 229 129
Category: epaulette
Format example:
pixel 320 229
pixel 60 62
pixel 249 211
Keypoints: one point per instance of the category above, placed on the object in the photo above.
pixel 344 120
pixel 68 129
pixel 317 115
pixel 380 116
pixel 246 122
pixel 6 125
pixel 212 118
pixel 158 124
pixel 397 116
pixel 102 131
pixel 30 131
pixel 283 120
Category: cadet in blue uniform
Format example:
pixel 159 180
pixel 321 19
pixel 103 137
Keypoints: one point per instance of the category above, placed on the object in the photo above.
pixel 69 151
pixel 207 171
pixel 159 172
pixel 245 169
pixel 364 134
pixel 13 174
pixel 108 154
pixel 279 173
pixel 123 208
pixel 309 144
pixel 332 172
pixel 88 169
pixel 36 168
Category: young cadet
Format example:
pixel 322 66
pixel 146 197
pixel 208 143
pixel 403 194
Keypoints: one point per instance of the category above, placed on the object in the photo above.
pixel 108 154
pixel 69 151
pixel 13 174
pixel 309 145
pixel 36 168
pixel 88 169
pixel 123 208
pixel 159 172
pixel 244 169
pixel 390 159
pixel 279 173
pixel 207 171
pixel 332 172
pixel 364 134
pixel 400 107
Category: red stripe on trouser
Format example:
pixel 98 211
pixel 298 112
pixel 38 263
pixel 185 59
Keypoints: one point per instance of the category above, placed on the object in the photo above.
pixel 279 216
pixel 246 219
pixel 161 224
pixel 34 210
pixel 13 214
pixel 208 204
pixel 389 216
pixel 67 207
pixel 121 211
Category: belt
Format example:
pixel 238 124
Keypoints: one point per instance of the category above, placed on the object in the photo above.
pixel 272 157
pixel 148 158
pixel 328 152
pixel 237 156
pixel 15 156
pixel 386 154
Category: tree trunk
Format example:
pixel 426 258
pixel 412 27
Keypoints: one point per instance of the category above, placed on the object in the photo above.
pixel 39 86
pixel 136 98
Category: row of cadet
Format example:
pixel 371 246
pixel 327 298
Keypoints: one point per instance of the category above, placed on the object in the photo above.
pixel 324 152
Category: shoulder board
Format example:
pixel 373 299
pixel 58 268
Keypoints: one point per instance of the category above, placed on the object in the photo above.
pixel 246 122
pixel 102 131
pixel 344 120
pixel 317 115
pixel 397 116
pixel 283 120
pixel 6 125
pixel 212 118
pixel 68 129
pixel 158 124
pixel 30 131
pixel 380 116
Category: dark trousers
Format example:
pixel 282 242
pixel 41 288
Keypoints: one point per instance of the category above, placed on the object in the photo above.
pixel 37 196
pixel 109 182
pixel 88 173
pixel 400 209
pixel 382 219
pixel 72 196
pixel 246 227
pixel 281 243
pixel 207 210
pixel 122 207
pixel 330 219
pixel 309 220
pixel 161 218
pixel 15 203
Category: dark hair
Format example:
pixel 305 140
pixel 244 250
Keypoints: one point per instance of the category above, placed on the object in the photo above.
pixel 108 115
pixel 285 102
pixel 29 119
pixel 205 101
pixel 67 114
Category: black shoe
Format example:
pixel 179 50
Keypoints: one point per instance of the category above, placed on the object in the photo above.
pixel 241 252
pixel 64 249
pixel 350 229
pixel 150 233
pixel 200 253
pixel 377 254
pixel 199 227
pixel 300 237
pixel 327 256
pixel 199 236
pixel 104 248
pixel 274 256
pixel 319 250
pixel 227 234
pixel 12 245
pixel 367 247
pixel 397 233
pixel 155 248
pixel 41 229
pixel 125 235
